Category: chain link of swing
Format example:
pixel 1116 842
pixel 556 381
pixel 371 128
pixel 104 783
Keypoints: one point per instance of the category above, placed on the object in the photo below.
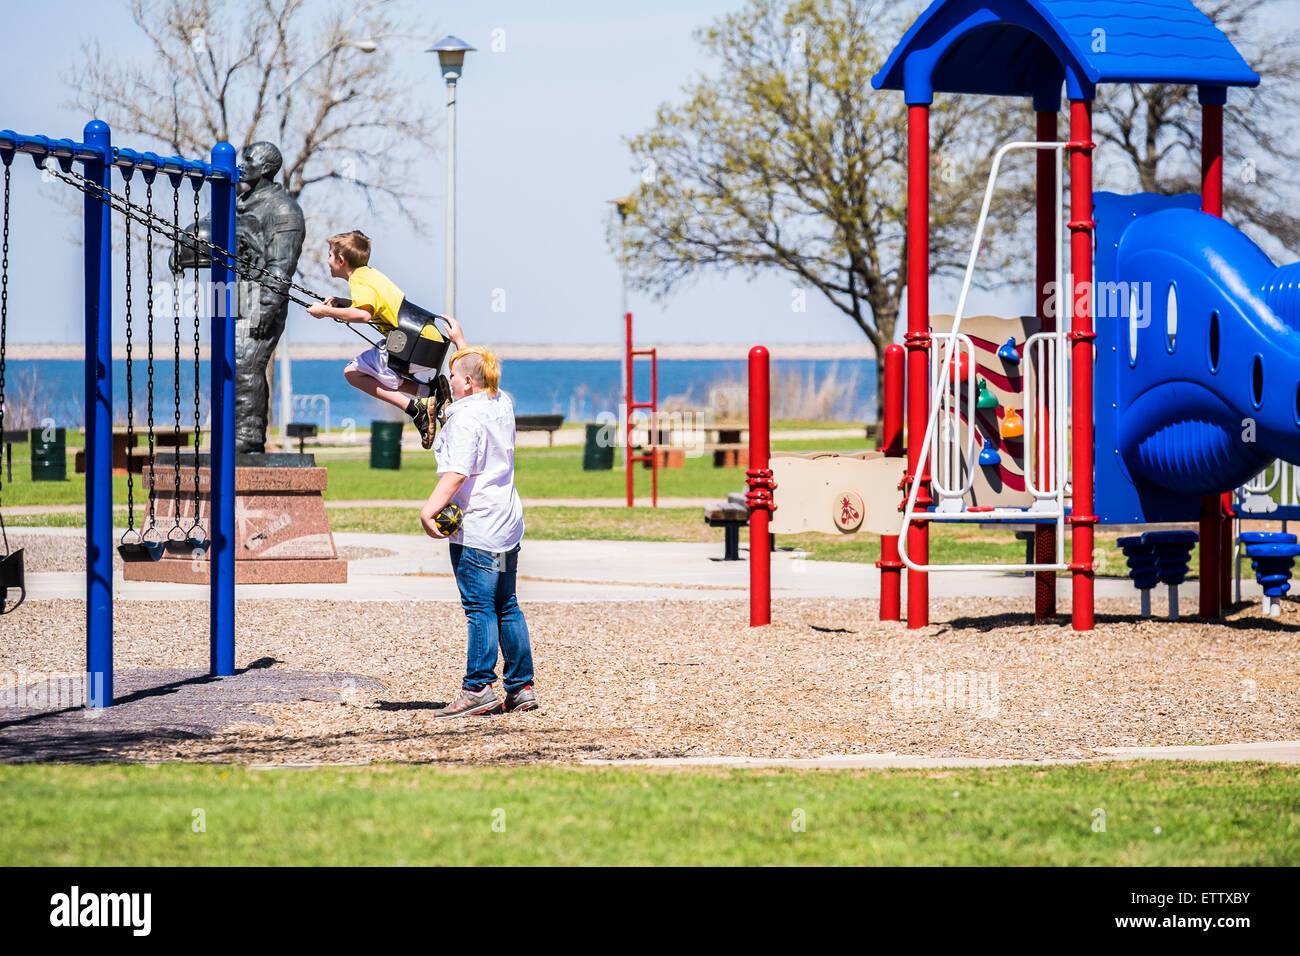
pixel 242 267
pixel 4 337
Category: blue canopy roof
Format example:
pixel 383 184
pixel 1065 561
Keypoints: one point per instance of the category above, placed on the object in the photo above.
pixel 1028 47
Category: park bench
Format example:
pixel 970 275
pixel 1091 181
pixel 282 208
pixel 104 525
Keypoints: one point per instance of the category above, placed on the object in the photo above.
pixel 731 515
pixel 540 423
pixel 301 431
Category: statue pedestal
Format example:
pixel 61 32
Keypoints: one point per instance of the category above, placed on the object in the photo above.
pixel 282 532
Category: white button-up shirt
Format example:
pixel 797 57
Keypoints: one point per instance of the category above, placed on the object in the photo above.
pixel 478 441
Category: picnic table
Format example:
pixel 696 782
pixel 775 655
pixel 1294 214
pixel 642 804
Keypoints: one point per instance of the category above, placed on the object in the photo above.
pixel 163 437
pixel 13 436
pixel 728 449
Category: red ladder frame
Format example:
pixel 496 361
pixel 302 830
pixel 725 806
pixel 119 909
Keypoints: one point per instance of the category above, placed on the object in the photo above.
pixel 632 405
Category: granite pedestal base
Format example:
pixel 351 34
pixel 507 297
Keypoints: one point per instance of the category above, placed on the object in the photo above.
pixel 282 532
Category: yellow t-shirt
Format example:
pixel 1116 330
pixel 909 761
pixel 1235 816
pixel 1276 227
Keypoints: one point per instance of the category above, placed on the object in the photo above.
pixel 371 289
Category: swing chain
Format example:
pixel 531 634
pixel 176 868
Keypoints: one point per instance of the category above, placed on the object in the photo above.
pixel 241 266
pixel 198 434
pixel 176 377
pixel 130 386
pixel 148 240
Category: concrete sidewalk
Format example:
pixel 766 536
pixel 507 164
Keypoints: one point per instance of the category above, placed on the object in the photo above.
pixel 419 569
pixel 1285 751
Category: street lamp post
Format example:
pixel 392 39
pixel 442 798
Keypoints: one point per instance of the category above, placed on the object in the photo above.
pixel 624 205
pixel 451 52
pixel 365 45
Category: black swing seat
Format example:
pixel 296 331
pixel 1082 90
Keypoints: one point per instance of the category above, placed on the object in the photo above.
pixel 407 345
pixel 12 578
pixel 141 550
pixel 189 545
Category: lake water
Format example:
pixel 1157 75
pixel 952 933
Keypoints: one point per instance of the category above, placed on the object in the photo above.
pixel 578 389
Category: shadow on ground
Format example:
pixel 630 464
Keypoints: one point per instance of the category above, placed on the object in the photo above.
pixel 47 720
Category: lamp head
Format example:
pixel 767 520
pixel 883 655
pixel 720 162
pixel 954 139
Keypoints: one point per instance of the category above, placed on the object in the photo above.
pixel 451 52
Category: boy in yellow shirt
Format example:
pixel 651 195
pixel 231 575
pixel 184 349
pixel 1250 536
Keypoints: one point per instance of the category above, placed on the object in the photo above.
pixel 376 301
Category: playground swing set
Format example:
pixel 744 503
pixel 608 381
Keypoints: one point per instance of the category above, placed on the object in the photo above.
pixel 205 244
pixel 1178 384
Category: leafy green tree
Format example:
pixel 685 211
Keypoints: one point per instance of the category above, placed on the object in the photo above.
pixel 786 159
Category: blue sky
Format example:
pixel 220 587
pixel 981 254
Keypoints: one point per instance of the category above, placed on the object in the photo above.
pixel 540 153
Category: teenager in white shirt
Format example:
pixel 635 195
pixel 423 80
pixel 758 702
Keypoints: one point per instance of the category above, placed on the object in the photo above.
pixel 476 468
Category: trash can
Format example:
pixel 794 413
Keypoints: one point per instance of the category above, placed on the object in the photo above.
pixel 386 445
pixel 598 456
pixel 49 458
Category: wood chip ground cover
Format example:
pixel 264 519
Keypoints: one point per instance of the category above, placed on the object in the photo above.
pixel 690 678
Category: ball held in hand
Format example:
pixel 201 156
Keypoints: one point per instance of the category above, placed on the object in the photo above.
pixel 449 519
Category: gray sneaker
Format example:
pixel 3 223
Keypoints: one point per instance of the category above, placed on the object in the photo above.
pixel 471 703
pixel 521 699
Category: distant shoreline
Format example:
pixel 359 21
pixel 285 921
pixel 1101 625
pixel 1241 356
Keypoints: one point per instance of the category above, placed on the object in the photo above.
pixel 553 352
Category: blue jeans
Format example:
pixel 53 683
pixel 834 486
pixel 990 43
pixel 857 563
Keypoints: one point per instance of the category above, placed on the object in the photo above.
pixel 487 592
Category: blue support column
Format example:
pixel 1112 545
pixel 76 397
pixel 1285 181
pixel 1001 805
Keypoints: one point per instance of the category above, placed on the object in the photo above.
pixel 99 427
pixel 221 559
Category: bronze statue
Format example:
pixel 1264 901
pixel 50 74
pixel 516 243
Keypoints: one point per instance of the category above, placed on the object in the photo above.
pixel 270 224
pixel 269 233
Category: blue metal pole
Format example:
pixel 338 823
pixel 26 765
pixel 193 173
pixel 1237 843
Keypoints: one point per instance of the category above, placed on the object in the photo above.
pixel 221 560
pixel 99 426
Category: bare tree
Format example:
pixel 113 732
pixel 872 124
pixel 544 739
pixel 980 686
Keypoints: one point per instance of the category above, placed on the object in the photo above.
pixel 1154 129
pixel 348 125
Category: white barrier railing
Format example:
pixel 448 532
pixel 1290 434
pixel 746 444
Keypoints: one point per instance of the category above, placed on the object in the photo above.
pixel 1277 485
pixel 949 480
pixel 308 404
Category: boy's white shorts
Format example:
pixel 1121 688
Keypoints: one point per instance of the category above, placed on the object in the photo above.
pixel 374 362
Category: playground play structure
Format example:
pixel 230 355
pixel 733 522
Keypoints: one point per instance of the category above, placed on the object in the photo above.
pixel 1182 404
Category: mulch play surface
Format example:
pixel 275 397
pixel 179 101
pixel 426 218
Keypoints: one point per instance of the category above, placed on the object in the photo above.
pixel 358 682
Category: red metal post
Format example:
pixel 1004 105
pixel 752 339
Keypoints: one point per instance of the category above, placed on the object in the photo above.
pixel 628 405
pixel 1214 567
pixel 1212 159
pixel 891 443
pixel 1048 241
pixel 1211 604
pixel 759 497
pixel 918 351
pixel 654 428
pixel 1216 510
pixel 1082 517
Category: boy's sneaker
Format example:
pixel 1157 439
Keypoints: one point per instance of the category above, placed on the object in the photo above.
pixel 470 703
pixel 424 423
pixel 441 390
pixel 521 699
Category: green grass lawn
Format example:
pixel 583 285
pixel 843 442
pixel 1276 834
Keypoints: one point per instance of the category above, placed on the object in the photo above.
pixel 949 544
pixel 1155 814
pixel 539 473
pixel 557 473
